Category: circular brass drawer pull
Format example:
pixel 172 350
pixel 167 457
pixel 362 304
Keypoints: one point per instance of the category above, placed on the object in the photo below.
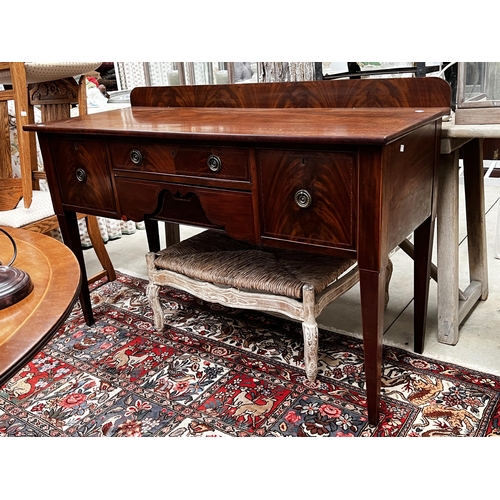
pixel 81 175
pixel 136 156
pixel 303 198
pixel 214 163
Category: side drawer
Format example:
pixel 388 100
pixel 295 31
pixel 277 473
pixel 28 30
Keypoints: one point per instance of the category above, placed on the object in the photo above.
pixel 201 161
pixel 308 196
pixel 83 174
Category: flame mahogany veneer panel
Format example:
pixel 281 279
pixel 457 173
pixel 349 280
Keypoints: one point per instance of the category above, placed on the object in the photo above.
pixel 409 92
pixel 330 178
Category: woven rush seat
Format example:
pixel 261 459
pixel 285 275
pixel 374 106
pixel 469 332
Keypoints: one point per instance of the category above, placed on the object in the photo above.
pixel 216 268
pixel 216 258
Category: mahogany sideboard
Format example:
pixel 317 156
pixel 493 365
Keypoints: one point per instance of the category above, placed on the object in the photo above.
pixel 343 167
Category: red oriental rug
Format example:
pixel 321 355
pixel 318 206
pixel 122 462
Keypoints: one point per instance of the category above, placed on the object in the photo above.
pixel 215 371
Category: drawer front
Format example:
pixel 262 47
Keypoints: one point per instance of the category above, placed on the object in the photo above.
pixel 308 196
pixel 201 161
pixel 186 204
pixel 83 174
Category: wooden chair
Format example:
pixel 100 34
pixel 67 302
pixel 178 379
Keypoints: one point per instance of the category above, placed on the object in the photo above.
pixel 52 87
pixel 216 268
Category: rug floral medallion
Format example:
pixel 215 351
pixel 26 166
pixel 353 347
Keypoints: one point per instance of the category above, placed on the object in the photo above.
pixel 215 371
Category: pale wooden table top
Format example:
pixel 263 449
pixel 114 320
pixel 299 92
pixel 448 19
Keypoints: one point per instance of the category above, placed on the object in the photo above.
pixel 453 136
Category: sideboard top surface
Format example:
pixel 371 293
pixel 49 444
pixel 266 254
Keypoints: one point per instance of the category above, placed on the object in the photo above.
pixel 307 125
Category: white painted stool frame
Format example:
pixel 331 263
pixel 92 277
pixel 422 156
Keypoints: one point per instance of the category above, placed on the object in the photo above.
pixel 305 311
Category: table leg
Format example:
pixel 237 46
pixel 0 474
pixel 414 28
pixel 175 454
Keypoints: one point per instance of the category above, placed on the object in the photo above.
pixel 172 234
pixel 472 154
pixel 447 249
pixel 71 236
pixel 372 293
pixel 421 277
pixel 453 304
pixel 152 234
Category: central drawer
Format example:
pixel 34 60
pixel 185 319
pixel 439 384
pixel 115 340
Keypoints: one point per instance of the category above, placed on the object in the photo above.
pixel 225 163
pixel 188 204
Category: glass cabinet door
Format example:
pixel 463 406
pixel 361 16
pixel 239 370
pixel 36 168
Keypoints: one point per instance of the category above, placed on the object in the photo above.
pixel 478 93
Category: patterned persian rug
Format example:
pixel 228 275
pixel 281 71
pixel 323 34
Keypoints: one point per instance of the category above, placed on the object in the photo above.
pixel 215 371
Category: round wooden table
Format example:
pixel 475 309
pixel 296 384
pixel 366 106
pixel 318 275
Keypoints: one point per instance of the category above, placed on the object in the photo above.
pixel 25 327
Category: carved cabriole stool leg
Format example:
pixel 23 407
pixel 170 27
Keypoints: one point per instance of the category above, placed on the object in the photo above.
pixel 153 293
pixel 310 332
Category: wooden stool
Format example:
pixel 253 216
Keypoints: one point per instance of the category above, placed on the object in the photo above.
pixel 216 268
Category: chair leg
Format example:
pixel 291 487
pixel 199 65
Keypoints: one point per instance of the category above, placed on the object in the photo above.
pixel 26 140
pixel 310 333
pixel 153 295
pixel 99 248
pixel 5 155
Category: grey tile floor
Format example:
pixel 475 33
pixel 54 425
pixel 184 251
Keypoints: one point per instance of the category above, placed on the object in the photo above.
pixel 479 343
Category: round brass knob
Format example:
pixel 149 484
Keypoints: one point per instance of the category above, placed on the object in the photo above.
pixel 136 156
pixel 214 163
pixel 81 175
pixel 303 198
